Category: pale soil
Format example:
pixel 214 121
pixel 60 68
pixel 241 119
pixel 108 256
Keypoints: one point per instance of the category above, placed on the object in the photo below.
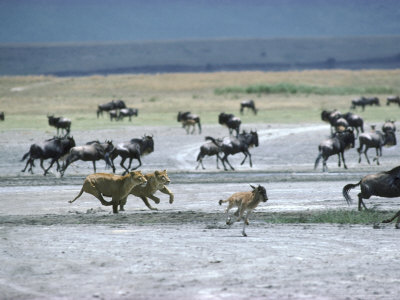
pixel 51 249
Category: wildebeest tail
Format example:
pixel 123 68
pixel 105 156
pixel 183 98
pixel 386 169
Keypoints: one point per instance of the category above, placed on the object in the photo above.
pixel 317 160
pixel 25 156
pixel 346 190
pixel 209 138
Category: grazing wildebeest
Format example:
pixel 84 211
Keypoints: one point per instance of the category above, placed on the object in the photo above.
pixel 393 99
pixel 54 148
pixel 248 104
pixel 376 139
pixel 189 120
pixel 127 112
pixel 233 145
pixel 114 104
pixel 230 121
pixel 92 151
pixel 383 184
pixel 337 144
pixel 389 126
pixel 60 123
pixel 209 149
pixel 363 101
pixel 355 122
pixel 2 116
pixel 133 149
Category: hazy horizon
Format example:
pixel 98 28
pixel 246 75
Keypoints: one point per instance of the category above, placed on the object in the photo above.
pixel 55 21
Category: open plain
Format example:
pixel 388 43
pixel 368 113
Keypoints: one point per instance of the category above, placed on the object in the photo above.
pixel 51 249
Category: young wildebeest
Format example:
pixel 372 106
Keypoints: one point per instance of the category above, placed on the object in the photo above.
pixel 337 144
pixel 389 126
pixel 54 148
pixel 60 123
pixel 127 112
pixel 248 104
pixel 354 121
pixel 245 202
pixel 233 145
pixel 189 120
pixel 133 149
pixel 393 99
pixel 230 121
pixel 377 140
pixel 114 104
pixel 92 151
pixel 110 185
pixel 209 149
pixel 383 184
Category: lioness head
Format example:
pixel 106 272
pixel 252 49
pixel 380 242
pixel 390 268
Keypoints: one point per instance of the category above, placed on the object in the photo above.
pixel 162 177
pixel 138 177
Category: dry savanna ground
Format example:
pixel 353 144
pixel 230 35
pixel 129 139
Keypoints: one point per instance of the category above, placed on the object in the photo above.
pixel 51 249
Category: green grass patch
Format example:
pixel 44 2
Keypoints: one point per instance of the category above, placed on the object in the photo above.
pixel 289 88
pixel 365 217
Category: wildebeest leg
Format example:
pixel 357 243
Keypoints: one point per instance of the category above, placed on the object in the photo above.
pixel 140 163
pixel 361 203
pixel 339 161
pixel 246 222
pixel 228 218
pixel 366 156
pixel 324 166
pixel 247 153
pixel 344 162
pixel 94 166
pixel 147 203
pixel 27 162
pixel 244 159
pixel 51 164
pixel 225 159
pixel 397 215
pixel 122 165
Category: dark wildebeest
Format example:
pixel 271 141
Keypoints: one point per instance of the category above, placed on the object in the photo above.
pixel 363 101
pixel 389 126
pixel 335 119
pixel 92 151
pixel 383 184
pixel 230 121
pixel 209 149
pixel 127 112
pixel 133 149
pixel 355 122
pixel 54 148
pixel 113 115
pixel 2 116
pixel 189 120
pixel 114 104
pixel 337 144
pixel 393 99
pixel 233 145
pixel 248 104
pixel 376 139
pixel 60 123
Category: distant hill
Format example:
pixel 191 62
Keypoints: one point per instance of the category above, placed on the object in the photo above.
pixel 272 54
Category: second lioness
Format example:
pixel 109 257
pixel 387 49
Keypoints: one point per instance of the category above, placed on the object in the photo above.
pixel 156 181
pixel 111 185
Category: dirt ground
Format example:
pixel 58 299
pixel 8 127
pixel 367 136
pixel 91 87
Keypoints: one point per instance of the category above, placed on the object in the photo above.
pixel 51 249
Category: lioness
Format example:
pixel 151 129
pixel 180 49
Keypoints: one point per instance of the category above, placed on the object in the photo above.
pixel 111 185
pixel 155 182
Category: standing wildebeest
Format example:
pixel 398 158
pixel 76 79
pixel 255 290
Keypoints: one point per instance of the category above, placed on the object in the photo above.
pixel 389 126
pixel 337 144
pixel 188 119
pixel 2 116
pixel 54 148
pixel 233 145
pixel 114 104
pixel 133 149
pixel 383 184
pixel 92 151
pixel 209 149
pixel 354 121
pixel 60 123
pixel 113 115
pixel 249 104
pixel 127 112
pixel 393 99
pixel 335 119
pixel 363 101
pixel 230 121
pixel 376 139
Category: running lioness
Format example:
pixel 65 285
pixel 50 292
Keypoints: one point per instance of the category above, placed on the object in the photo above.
pixel 111 185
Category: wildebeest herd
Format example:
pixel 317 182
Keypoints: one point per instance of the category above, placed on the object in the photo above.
pixel 345 130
